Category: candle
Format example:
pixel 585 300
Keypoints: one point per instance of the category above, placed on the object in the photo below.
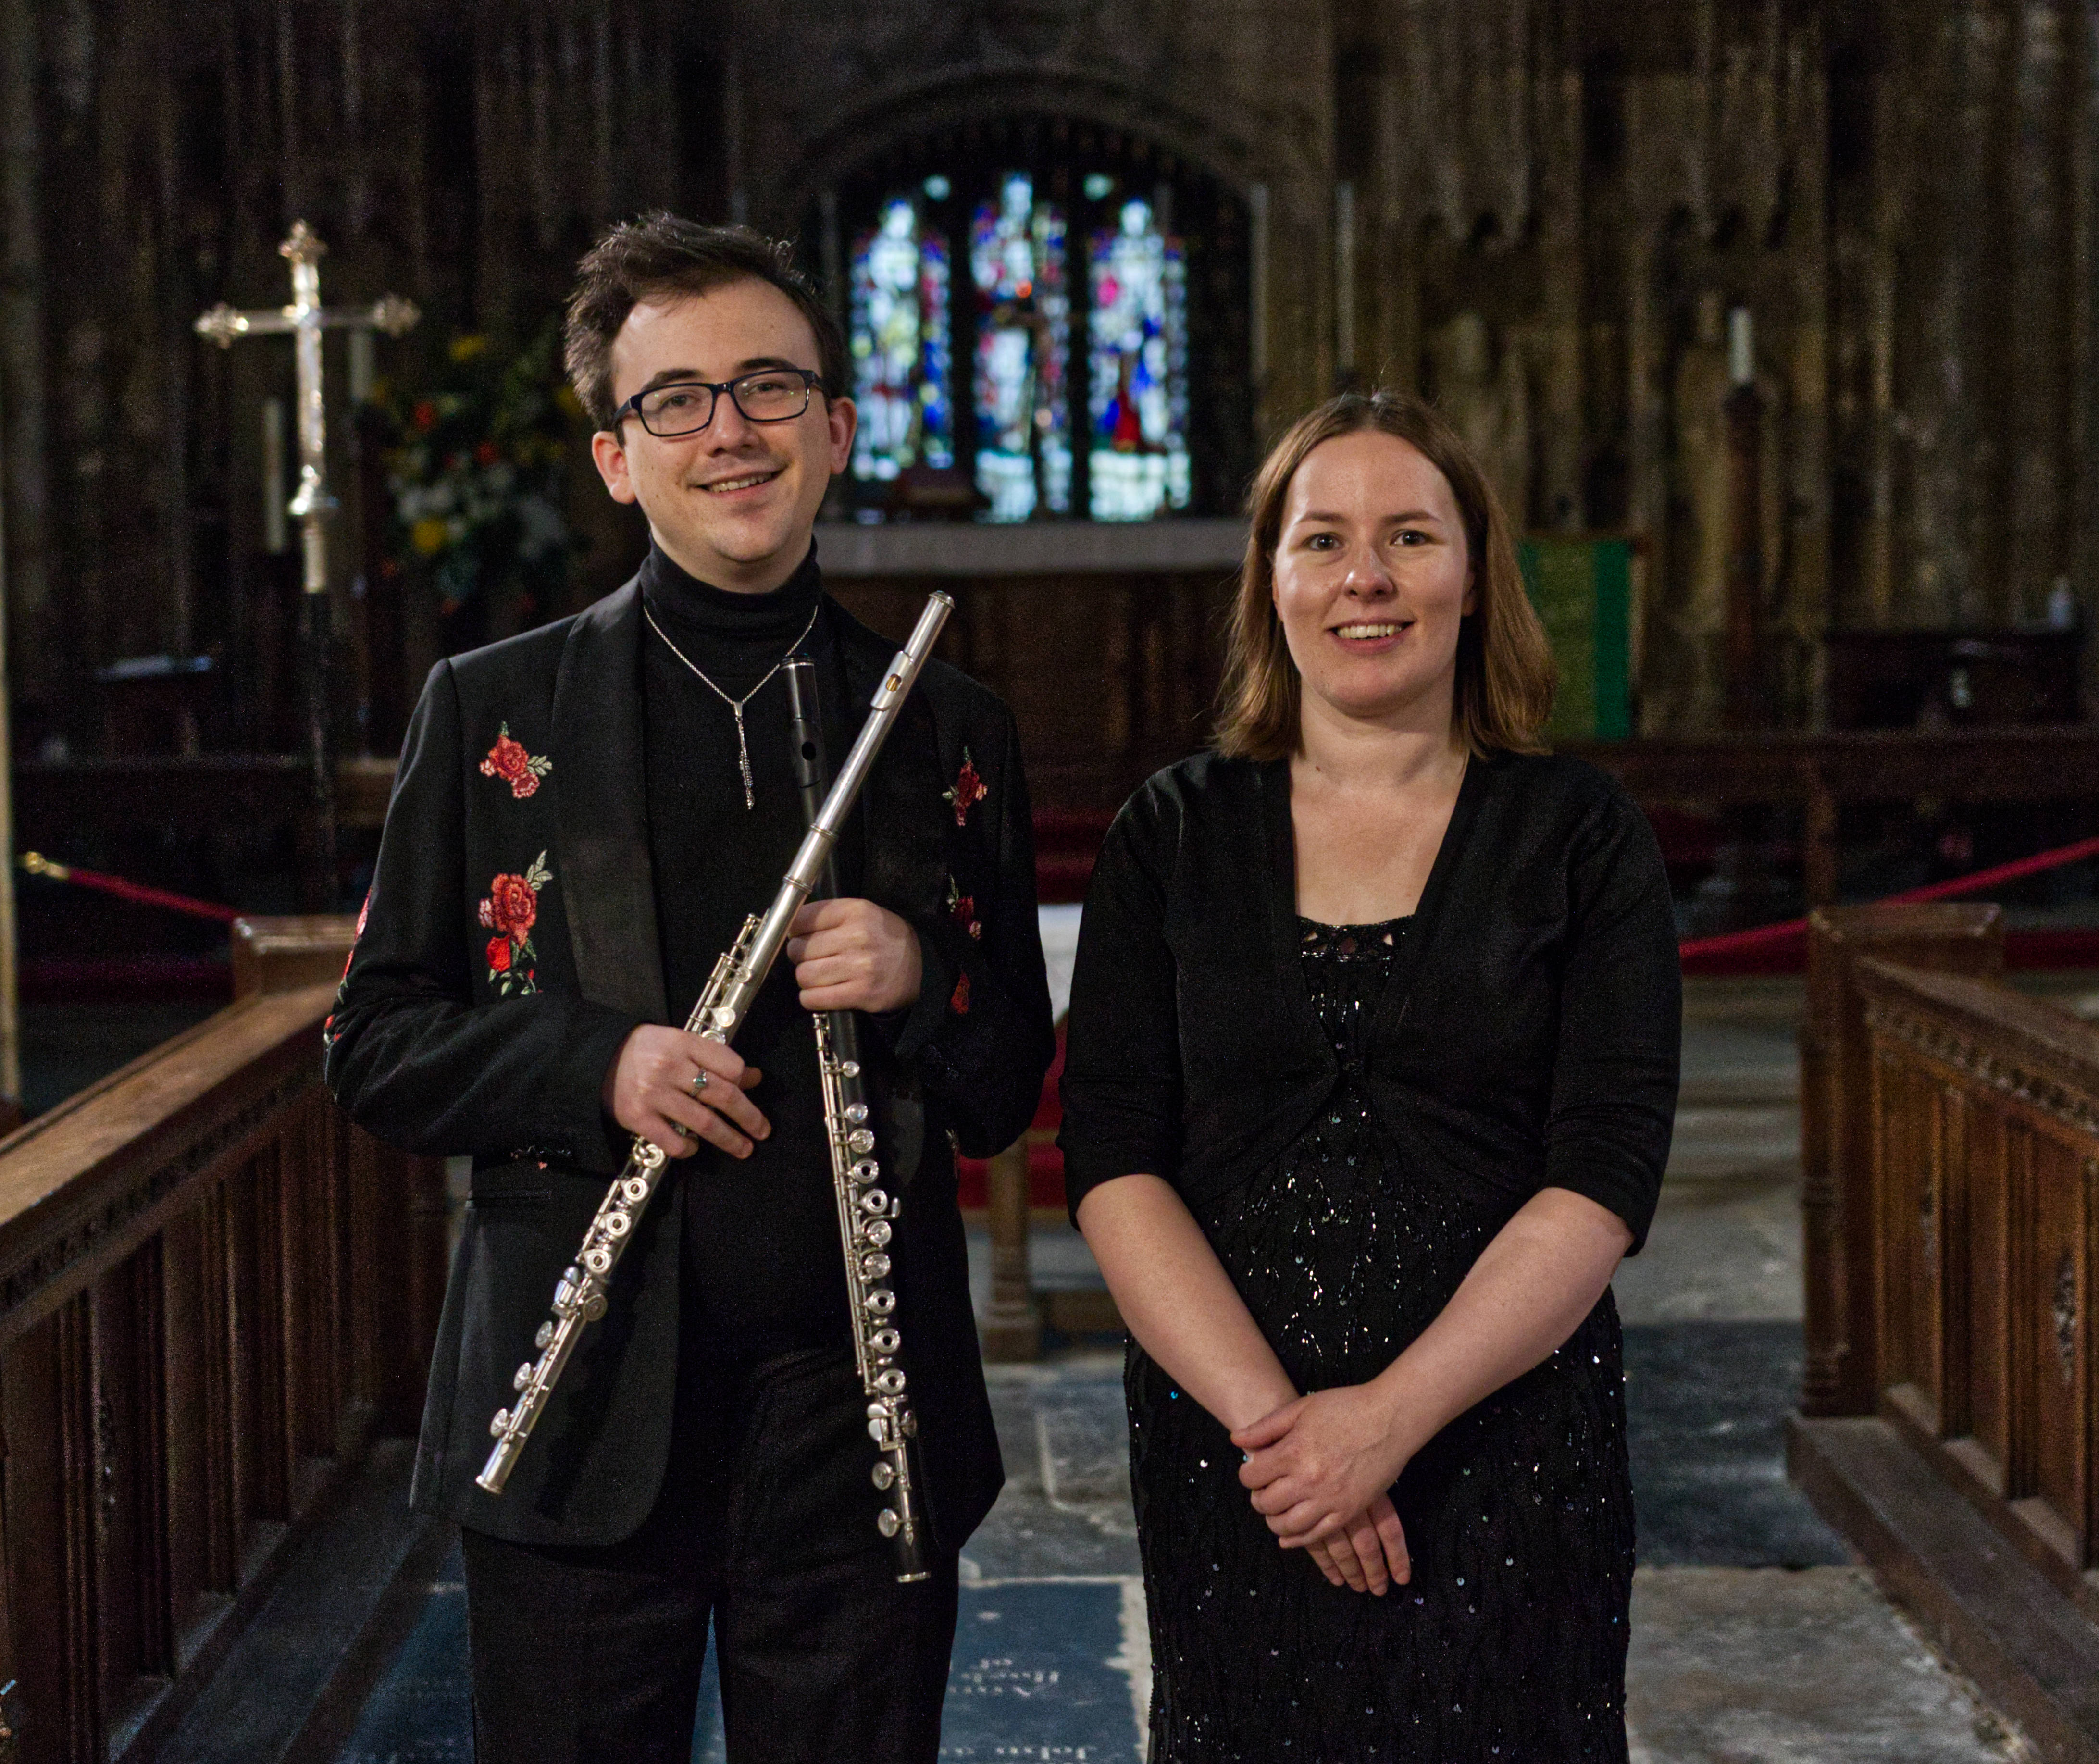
pixel 1741 348
pixel 361 369
pixel 273 475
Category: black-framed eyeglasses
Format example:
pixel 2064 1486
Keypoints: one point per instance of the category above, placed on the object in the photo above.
pixel 770 395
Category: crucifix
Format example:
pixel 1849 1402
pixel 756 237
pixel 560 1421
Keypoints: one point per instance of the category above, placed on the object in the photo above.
pixel 306 318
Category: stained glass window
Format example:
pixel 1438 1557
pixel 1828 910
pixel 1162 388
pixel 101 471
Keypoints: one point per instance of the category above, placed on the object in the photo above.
pixel 900 346
pixel 1137 384
pixel 1022 353
pixel 1046 372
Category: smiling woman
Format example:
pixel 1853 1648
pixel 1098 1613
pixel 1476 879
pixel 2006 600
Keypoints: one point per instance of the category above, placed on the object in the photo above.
pixel 1370 1074
pixel 1500 670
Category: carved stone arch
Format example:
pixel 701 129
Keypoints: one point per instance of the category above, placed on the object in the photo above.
pixel 906 109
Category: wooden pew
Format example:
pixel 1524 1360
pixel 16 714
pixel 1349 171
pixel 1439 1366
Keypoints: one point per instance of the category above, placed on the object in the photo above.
pixel 214 1293
pixel 1950 1414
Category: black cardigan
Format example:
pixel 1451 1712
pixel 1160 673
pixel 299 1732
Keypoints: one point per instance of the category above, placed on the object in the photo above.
pixel 1527 1038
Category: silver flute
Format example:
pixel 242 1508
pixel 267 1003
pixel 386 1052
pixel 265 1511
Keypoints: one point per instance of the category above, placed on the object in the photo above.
pixel 579 1296
pixel 867 1211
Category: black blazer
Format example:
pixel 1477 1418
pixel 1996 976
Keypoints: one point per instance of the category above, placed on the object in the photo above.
pixel 460 1030
pixel 1527 1038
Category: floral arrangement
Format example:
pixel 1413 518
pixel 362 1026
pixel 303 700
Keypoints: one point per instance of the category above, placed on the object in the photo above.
pixel 473 465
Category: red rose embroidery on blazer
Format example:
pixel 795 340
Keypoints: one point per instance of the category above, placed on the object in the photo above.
pixel 510 909
pixel 327 1023
pixel 363 915
pixel 513 905
pixel 959 1000
pixel 968 791
pixel 509 761
pixel 963 910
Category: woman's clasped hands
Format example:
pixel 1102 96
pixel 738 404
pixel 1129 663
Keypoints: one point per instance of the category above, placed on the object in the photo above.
pixel 1319 1468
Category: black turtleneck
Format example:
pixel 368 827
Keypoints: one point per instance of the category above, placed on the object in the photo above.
pixel 734 637
pixel 763 1268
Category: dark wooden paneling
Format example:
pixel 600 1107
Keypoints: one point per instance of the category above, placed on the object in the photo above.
pixel 2051 1297
pixel 10 1662
pixel 310 1259
pixel 193 1478
pixel 255 1296
pixel 1893 679
pixel 1840 1151
pixel 185 1251
pixel 49 1555
pixel 74 1537
pixel 1950 1323
pixel 1991 1147
pixel 214 1350
pixel 1109 678
pixel 2054 764
pixel 2023 1473
pixel 1983 1124
pixel 1911 1133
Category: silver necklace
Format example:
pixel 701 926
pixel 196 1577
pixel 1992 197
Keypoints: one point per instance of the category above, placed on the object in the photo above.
pixel 735 704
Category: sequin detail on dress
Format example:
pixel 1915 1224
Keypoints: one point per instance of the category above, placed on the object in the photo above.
pixel 1510 1641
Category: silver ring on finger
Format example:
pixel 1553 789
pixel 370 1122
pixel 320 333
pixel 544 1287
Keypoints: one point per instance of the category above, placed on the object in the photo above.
pixel 698 1081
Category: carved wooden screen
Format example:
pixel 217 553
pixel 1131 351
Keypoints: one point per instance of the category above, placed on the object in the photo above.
pixel 1984 1129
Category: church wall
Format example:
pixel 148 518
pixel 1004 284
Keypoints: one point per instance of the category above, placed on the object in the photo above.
pixel 1546 199
pixel 1911 262
pixel 1986 231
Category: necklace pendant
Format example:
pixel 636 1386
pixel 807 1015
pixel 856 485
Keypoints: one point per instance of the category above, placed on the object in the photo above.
pixel 735 704
pixel 743 760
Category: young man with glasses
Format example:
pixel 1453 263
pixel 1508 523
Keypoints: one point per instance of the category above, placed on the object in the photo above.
pixel 584 815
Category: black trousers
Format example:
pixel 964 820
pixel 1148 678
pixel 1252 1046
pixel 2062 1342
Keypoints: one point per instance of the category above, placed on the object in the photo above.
pixel 766 1525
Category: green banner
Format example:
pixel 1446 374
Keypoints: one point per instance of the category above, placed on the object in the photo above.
pixel 1582 589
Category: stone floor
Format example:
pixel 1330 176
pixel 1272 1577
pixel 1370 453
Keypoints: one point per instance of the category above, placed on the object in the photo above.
pixel 1755 1638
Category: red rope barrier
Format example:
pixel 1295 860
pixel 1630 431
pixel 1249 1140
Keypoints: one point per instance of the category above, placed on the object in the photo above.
pixel 1727 943
pixel 1761 934
pixel 37 864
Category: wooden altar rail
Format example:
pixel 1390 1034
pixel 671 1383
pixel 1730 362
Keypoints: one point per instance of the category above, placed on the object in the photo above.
pixel 1098 717
pixel 214 1291
pixel 1950 1149
pixel 1820 774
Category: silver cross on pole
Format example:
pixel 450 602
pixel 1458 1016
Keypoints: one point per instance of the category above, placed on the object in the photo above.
pixel 306 318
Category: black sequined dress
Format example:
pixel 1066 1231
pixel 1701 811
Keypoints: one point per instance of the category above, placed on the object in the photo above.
pixel 1510 1643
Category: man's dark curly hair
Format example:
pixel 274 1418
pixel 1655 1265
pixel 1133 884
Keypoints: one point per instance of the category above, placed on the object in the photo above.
pixel 661 254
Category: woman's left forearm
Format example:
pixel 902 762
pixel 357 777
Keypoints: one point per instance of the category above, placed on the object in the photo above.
pixel 1528 1291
